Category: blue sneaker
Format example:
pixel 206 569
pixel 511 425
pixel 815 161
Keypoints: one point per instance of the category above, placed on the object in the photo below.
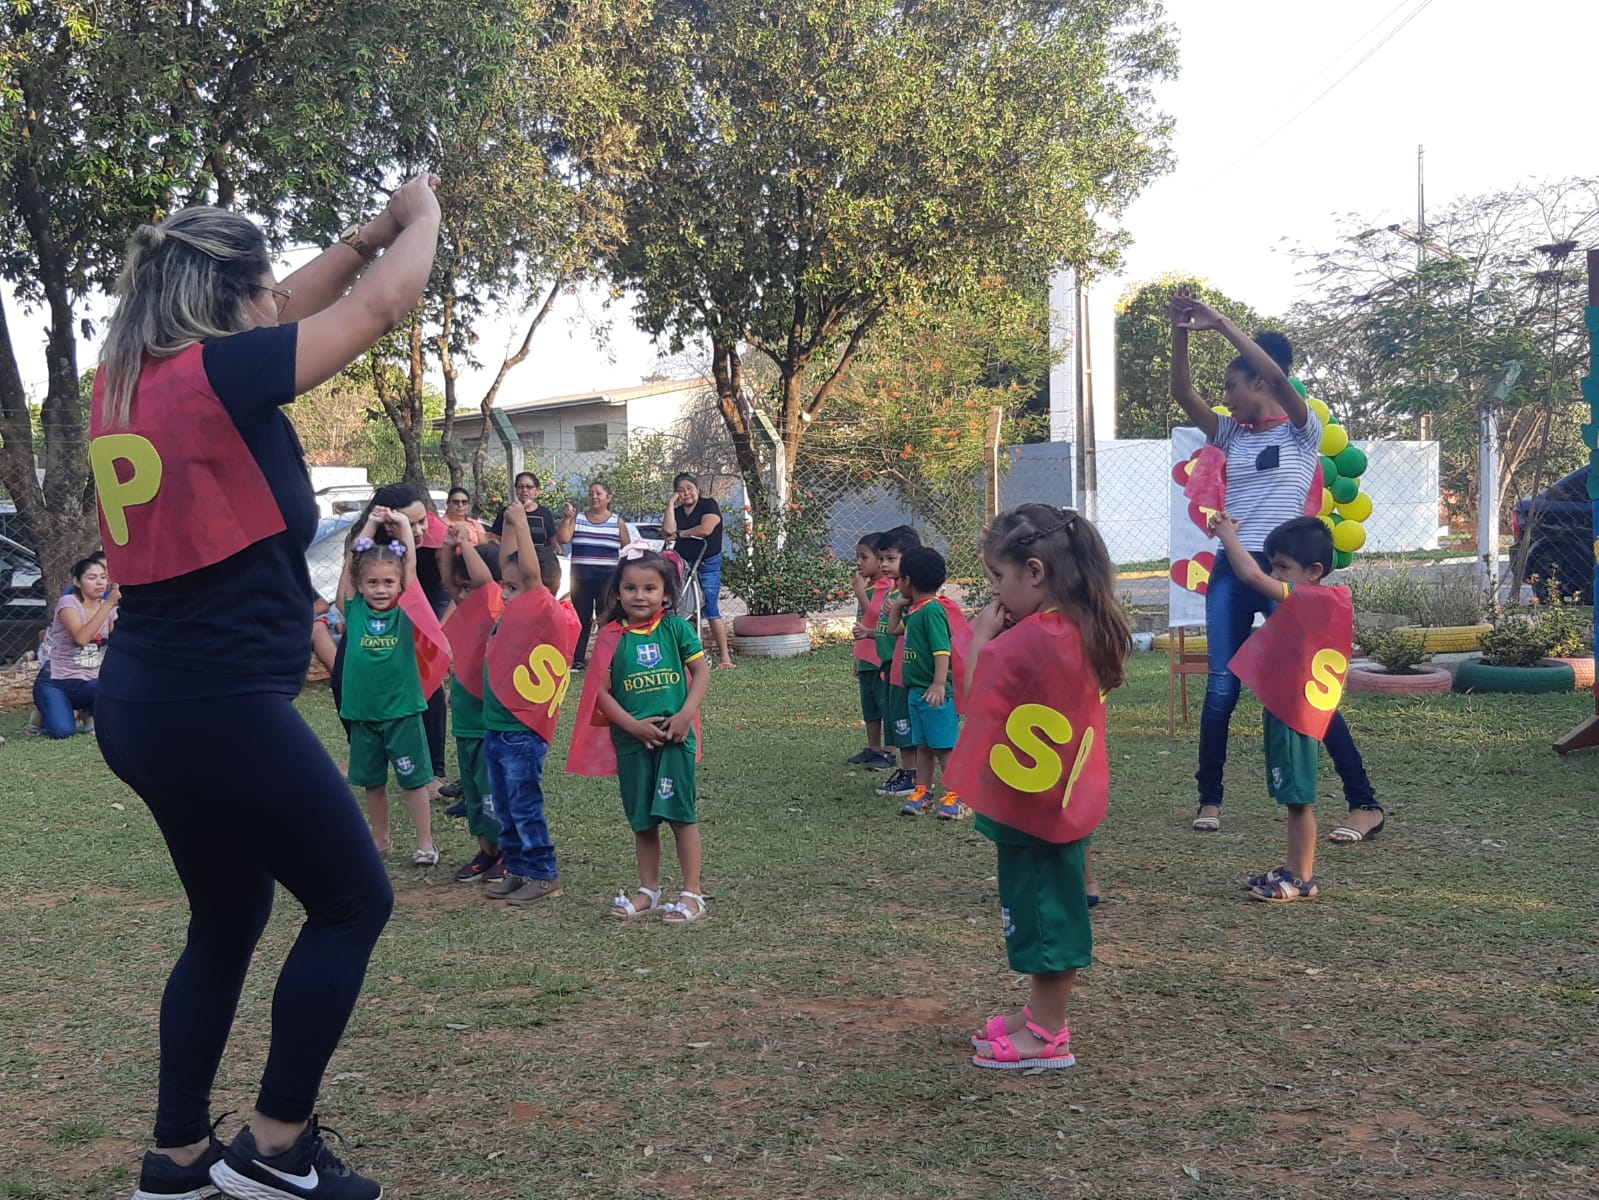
pixel 307 1170
pixel 882 760
pixel 952 809
pixel 162 1179
pixel 900 783
pixel 458 809
pixel 866 756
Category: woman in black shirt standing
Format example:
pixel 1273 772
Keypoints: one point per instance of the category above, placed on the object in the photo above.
pixel 541 521
pixel 696 522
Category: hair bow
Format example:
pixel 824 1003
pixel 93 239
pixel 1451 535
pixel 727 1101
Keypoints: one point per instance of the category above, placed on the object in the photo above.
pixel 397 547
pixel 361 545
pixel 636 549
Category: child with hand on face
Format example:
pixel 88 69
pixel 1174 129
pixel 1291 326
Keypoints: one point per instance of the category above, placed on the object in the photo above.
pixel 382 687
pixel 895 699
pixel 871 588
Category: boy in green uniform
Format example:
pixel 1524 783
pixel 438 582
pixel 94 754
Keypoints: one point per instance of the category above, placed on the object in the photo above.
pixel 475 567
pixel 867 586
pixel 896 700
pixel 928 648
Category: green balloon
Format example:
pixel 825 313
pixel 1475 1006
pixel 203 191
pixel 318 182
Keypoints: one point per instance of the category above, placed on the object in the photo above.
pixel 1329 471
pixel 1341 559
pixel 1351 462
pixel 1333 420
pixel 1299 386
pixel 1338 518
pixel 1345 489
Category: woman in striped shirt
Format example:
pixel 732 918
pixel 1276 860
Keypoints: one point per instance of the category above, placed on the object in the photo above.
pixel 595 537
pixel 1272 443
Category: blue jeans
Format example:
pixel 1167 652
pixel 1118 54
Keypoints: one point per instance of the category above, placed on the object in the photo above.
pixel 58 700
pixel 1230 608
pixel 710 574
pixel 516 781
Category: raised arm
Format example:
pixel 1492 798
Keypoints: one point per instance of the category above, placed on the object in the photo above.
pixel 85 631
pixel 1241 561
pixel 334 336
pixel 563 531
pixel 1198 316
pixel 1182 374
pixel 406 538
pixel 476 569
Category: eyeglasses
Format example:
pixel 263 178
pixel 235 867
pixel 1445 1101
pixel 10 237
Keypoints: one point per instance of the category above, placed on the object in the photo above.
pixel 460 500
pixel 281 295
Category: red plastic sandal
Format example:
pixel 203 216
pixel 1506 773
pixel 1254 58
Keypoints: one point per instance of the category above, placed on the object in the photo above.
pixel 1003 1055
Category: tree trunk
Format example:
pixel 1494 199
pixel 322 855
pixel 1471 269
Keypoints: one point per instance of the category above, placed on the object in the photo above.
pixel 447 443
pixel 728 371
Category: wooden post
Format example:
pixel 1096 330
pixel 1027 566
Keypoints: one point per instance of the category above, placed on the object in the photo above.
pixel 996 421
pixel 1587 734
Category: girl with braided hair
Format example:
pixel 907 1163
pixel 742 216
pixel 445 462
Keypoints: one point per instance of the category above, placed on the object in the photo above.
pixel 1031 761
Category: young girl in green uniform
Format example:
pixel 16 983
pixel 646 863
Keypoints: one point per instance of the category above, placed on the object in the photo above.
pixel 651 695
pixel 382 698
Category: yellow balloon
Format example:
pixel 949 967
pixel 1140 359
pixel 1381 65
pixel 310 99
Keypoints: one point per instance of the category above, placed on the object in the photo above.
pixel 1326 519
pixel 1333 440
pixel 1319 407
pixel 1221 410
pixel 1349 536
pixel 1357 509
pixel 1327 502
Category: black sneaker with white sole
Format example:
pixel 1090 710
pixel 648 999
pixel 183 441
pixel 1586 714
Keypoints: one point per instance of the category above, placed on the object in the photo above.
pixel 162 1179
pixel 307 1170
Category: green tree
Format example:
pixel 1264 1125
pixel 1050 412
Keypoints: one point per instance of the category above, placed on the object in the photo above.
pixel 1144 407
pixel 117 112
pixel 814 167
pixel 1429 317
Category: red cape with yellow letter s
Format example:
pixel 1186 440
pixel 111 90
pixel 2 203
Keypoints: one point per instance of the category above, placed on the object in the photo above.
pixel 1297 662
pixel 178 487
pixel 530 660
pixel 468 629
pixel 1032 755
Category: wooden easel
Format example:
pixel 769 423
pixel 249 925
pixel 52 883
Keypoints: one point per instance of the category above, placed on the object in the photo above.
pixel 1587 734
pixel 1182 663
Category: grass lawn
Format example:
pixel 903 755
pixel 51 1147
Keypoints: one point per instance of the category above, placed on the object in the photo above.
pixel 1428 1027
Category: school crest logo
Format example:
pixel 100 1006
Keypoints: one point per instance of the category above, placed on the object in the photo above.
pixel 1005 921
pixel 404 765
pixel 649 654
pixel 664 789
pixel 376 625
pixel 488 805
pixel 902 727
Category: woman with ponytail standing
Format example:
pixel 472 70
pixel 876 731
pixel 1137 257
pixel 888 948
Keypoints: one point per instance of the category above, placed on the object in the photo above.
pixel 206 510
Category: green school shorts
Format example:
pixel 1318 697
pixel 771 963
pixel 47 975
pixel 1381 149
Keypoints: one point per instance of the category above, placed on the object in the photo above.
pixel 896 709
pixel 480 819
pixel 657 785
pixel 374 745
pixel 1043 896
pixel 871 695
pixel 1293 760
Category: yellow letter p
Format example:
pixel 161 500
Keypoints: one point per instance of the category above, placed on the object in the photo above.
pixel 117 495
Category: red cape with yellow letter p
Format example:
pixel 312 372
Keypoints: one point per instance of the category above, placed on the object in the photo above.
pixel 529 660
pixel 1297 662
pixel 1032 755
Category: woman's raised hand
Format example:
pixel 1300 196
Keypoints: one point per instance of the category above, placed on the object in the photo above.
pixel 415 201
pixel 569 512
pixel 1188 311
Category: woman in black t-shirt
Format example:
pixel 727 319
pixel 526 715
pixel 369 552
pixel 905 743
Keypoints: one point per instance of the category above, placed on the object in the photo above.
pixel 695 521
pixel 204 349
pixel 541 521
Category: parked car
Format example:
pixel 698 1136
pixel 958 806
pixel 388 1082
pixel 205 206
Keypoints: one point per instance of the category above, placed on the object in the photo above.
pixel 24 608
pixel 352 497
pixel 1559 522
pixel 14 525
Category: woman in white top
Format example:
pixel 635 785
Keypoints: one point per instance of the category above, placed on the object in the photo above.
pixel 74 648
pixel 595 538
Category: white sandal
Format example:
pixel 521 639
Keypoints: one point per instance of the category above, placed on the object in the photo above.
pixel 622 907
pixel 678 913
pixel 426 858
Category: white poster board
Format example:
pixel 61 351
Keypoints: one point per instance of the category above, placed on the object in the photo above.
pixel 1193 551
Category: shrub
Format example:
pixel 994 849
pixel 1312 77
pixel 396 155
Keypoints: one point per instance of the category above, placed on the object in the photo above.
pixel 782 564
pixel 1390 592
pixel 1515 640
pixel 1397 651
pixel 1455 598
pixel 1569 629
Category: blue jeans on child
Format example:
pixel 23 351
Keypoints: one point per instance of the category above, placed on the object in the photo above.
pixel 59 701
pixel 1230 608
pixel 516 781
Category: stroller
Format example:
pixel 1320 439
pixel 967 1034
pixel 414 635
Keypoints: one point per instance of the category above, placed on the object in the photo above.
pixel 691 602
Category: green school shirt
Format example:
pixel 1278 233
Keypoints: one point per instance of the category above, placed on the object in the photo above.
pixel 495 715
pixel 381 678
pixel 466 710
pixel 886 642
pixel 926 636
pixel 649 675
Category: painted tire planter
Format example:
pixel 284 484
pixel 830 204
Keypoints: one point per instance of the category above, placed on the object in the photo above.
pixel 1582 668
pixel 1192 645
pixel 1474 675
pixel 771 645
pixel 1448 639
pixel 1425 681
pixel 781 624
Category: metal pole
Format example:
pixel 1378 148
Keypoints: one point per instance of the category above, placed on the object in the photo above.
pixel 1587 734
pixel 1090 505
pixel 1488 474
pixel 1080 439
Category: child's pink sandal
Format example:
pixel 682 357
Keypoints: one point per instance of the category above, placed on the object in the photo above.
pixel 1003 1055
pixel 996 1027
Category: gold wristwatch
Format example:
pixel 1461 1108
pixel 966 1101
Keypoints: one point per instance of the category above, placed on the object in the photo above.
pixel 351 237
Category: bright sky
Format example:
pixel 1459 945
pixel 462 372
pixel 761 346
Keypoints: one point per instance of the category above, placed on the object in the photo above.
pixel 1496 92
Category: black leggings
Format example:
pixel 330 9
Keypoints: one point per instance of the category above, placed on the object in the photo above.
pixel 247 797
pixel 588 595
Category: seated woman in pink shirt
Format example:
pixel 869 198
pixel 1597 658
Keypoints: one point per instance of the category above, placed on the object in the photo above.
pixel 74 647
